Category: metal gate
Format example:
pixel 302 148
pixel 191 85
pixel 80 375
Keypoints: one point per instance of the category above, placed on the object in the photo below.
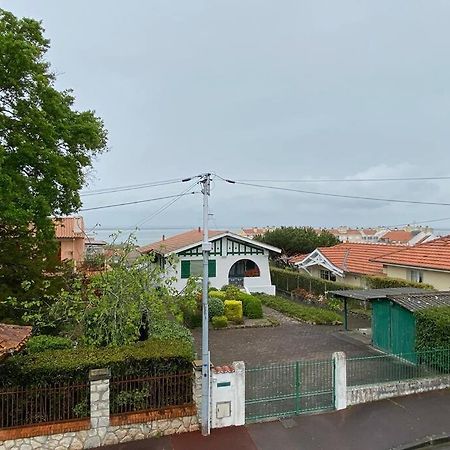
pixel 288 389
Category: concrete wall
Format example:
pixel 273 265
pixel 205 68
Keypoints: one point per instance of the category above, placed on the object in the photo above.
pixel 380 391
pixel 439 280
pixel 72 249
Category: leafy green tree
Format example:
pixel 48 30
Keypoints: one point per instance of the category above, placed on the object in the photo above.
pixel 294 240
pixel 46 148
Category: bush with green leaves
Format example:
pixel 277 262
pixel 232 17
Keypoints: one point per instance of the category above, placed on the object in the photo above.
pixel 309 314
pixel 215 307
pixel 43 342
pixel 251 306
pixel 151 357
pixel 218 294
pixel 219 321
pixel 231 291
pixel 376 282
pixel 233 311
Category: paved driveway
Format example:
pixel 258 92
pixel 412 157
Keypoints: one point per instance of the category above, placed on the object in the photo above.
pixel 290 341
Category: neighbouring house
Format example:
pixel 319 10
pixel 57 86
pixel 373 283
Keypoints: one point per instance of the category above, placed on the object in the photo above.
pixel 347 263
pixel 233 259
pixel 70 234
pixel 428 263
pixel 93 246
pixel 12 338
pixel 393 315
pixel 251 233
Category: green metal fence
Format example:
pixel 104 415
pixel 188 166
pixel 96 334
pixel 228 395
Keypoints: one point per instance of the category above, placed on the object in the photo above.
pixel 288 389
pixel 405 366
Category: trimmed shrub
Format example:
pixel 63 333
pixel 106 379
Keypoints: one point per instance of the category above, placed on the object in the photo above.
pixel 43 342
pixel 192 319
pixel 231 291
pixel 219 321
pixel 251 306
pixel 290 279
pixel 215 307
pixel 170 330
pixel 212 289
pixel 233 311
pixel 151 357
pixel 374 282
pixel 309 314
pixel 217 294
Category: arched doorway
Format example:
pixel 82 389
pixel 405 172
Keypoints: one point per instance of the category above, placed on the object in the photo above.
pixel 244 268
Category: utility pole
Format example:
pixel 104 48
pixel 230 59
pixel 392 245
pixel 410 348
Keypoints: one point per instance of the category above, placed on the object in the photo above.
pixel 206 248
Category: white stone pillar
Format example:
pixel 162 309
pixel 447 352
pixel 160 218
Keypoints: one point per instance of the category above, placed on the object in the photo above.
pixel 99 381
pixel 340 380
pixel 239 403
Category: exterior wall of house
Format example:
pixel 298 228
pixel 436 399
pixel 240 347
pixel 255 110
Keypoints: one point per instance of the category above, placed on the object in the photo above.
pixel 224 262
pixel 348 278
pixel 439 280
pixel 72 249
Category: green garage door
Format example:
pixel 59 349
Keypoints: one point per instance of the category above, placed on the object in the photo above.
pixel 402 331
pixel 381 325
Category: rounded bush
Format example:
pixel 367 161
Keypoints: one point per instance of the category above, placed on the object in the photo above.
pixel 233 311
pixel 219 321
pixel 217 294
pixel 215 307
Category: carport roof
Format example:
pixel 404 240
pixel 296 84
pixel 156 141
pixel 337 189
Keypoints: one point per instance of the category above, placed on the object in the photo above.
pixel 416 302
pixel 371 294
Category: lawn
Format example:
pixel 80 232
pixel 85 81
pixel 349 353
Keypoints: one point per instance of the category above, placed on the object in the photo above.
pixel 310 314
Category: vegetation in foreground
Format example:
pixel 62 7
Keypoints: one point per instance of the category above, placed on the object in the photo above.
pixel 310 314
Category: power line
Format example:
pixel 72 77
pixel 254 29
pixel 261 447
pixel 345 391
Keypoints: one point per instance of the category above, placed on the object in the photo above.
pixel 136 202
pixel 167 205
pixel 343 180
pixel 130 187
pixel 329 194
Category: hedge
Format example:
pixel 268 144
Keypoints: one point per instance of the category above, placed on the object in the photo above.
pixel 215 307
pixel 433 328
pixel 375 282
pixel 150 357
pixel 288 280
pixel 233 311
pixel 309 314
pixel 251 305
pixel 219 321
pixel 43 342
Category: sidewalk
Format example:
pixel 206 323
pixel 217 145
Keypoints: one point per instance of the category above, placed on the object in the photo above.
pixel 373 426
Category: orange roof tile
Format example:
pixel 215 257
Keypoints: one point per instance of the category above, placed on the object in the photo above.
pixel 433 255
pixel 297 258
pixel 397 236
pixel 69 227
pixel 179 241
pixel 13 337
pixel 357 257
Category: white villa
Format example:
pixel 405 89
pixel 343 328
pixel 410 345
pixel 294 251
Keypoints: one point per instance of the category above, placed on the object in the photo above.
pixel 233 259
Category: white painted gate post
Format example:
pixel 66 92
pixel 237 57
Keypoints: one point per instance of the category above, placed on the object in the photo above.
pixel 340 380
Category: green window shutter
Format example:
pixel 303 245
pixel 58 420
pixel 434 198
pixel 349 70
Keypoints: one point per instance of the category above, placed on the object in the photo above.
pixel 185 269
pixel 212 268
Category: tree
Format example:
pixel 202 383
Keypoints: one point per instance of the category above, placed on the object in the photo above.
pixel 46 148
pixel 295 240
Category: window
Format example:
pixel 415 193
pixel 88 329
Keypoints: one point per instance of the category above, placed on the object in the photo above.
pixel 195 268
pixel 416 276
pixel 327 275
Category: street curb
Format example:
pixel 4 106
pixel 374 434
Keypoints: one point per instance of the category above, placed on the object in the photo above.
pixel 425 442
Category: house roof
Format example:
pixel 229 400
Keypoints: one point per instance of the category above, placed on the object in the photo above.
pixel 397 236
pixel 69 227
pixel 372 294
pixel 13 338
pixel 432 255
pixel 297 258
pixel 194 238
pixel 357 257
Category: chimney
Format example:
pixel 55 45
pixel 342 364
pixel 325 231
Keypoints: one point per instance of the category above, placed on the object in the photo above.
pixel 164 238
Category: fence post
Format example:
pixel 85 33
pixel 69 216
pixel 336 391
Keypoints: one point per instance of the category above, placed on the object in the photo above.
pixel 99 387
pixel 239 369
pixel 340 380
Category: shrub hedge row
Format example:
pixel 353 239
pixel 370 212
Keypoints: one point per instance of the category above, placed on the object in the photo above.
pixel 433 328
pixel 150 357
pixel 291 279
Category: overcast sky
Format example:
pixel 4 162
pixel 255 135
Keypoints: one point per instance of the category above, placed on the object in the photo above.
pixel 251 89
